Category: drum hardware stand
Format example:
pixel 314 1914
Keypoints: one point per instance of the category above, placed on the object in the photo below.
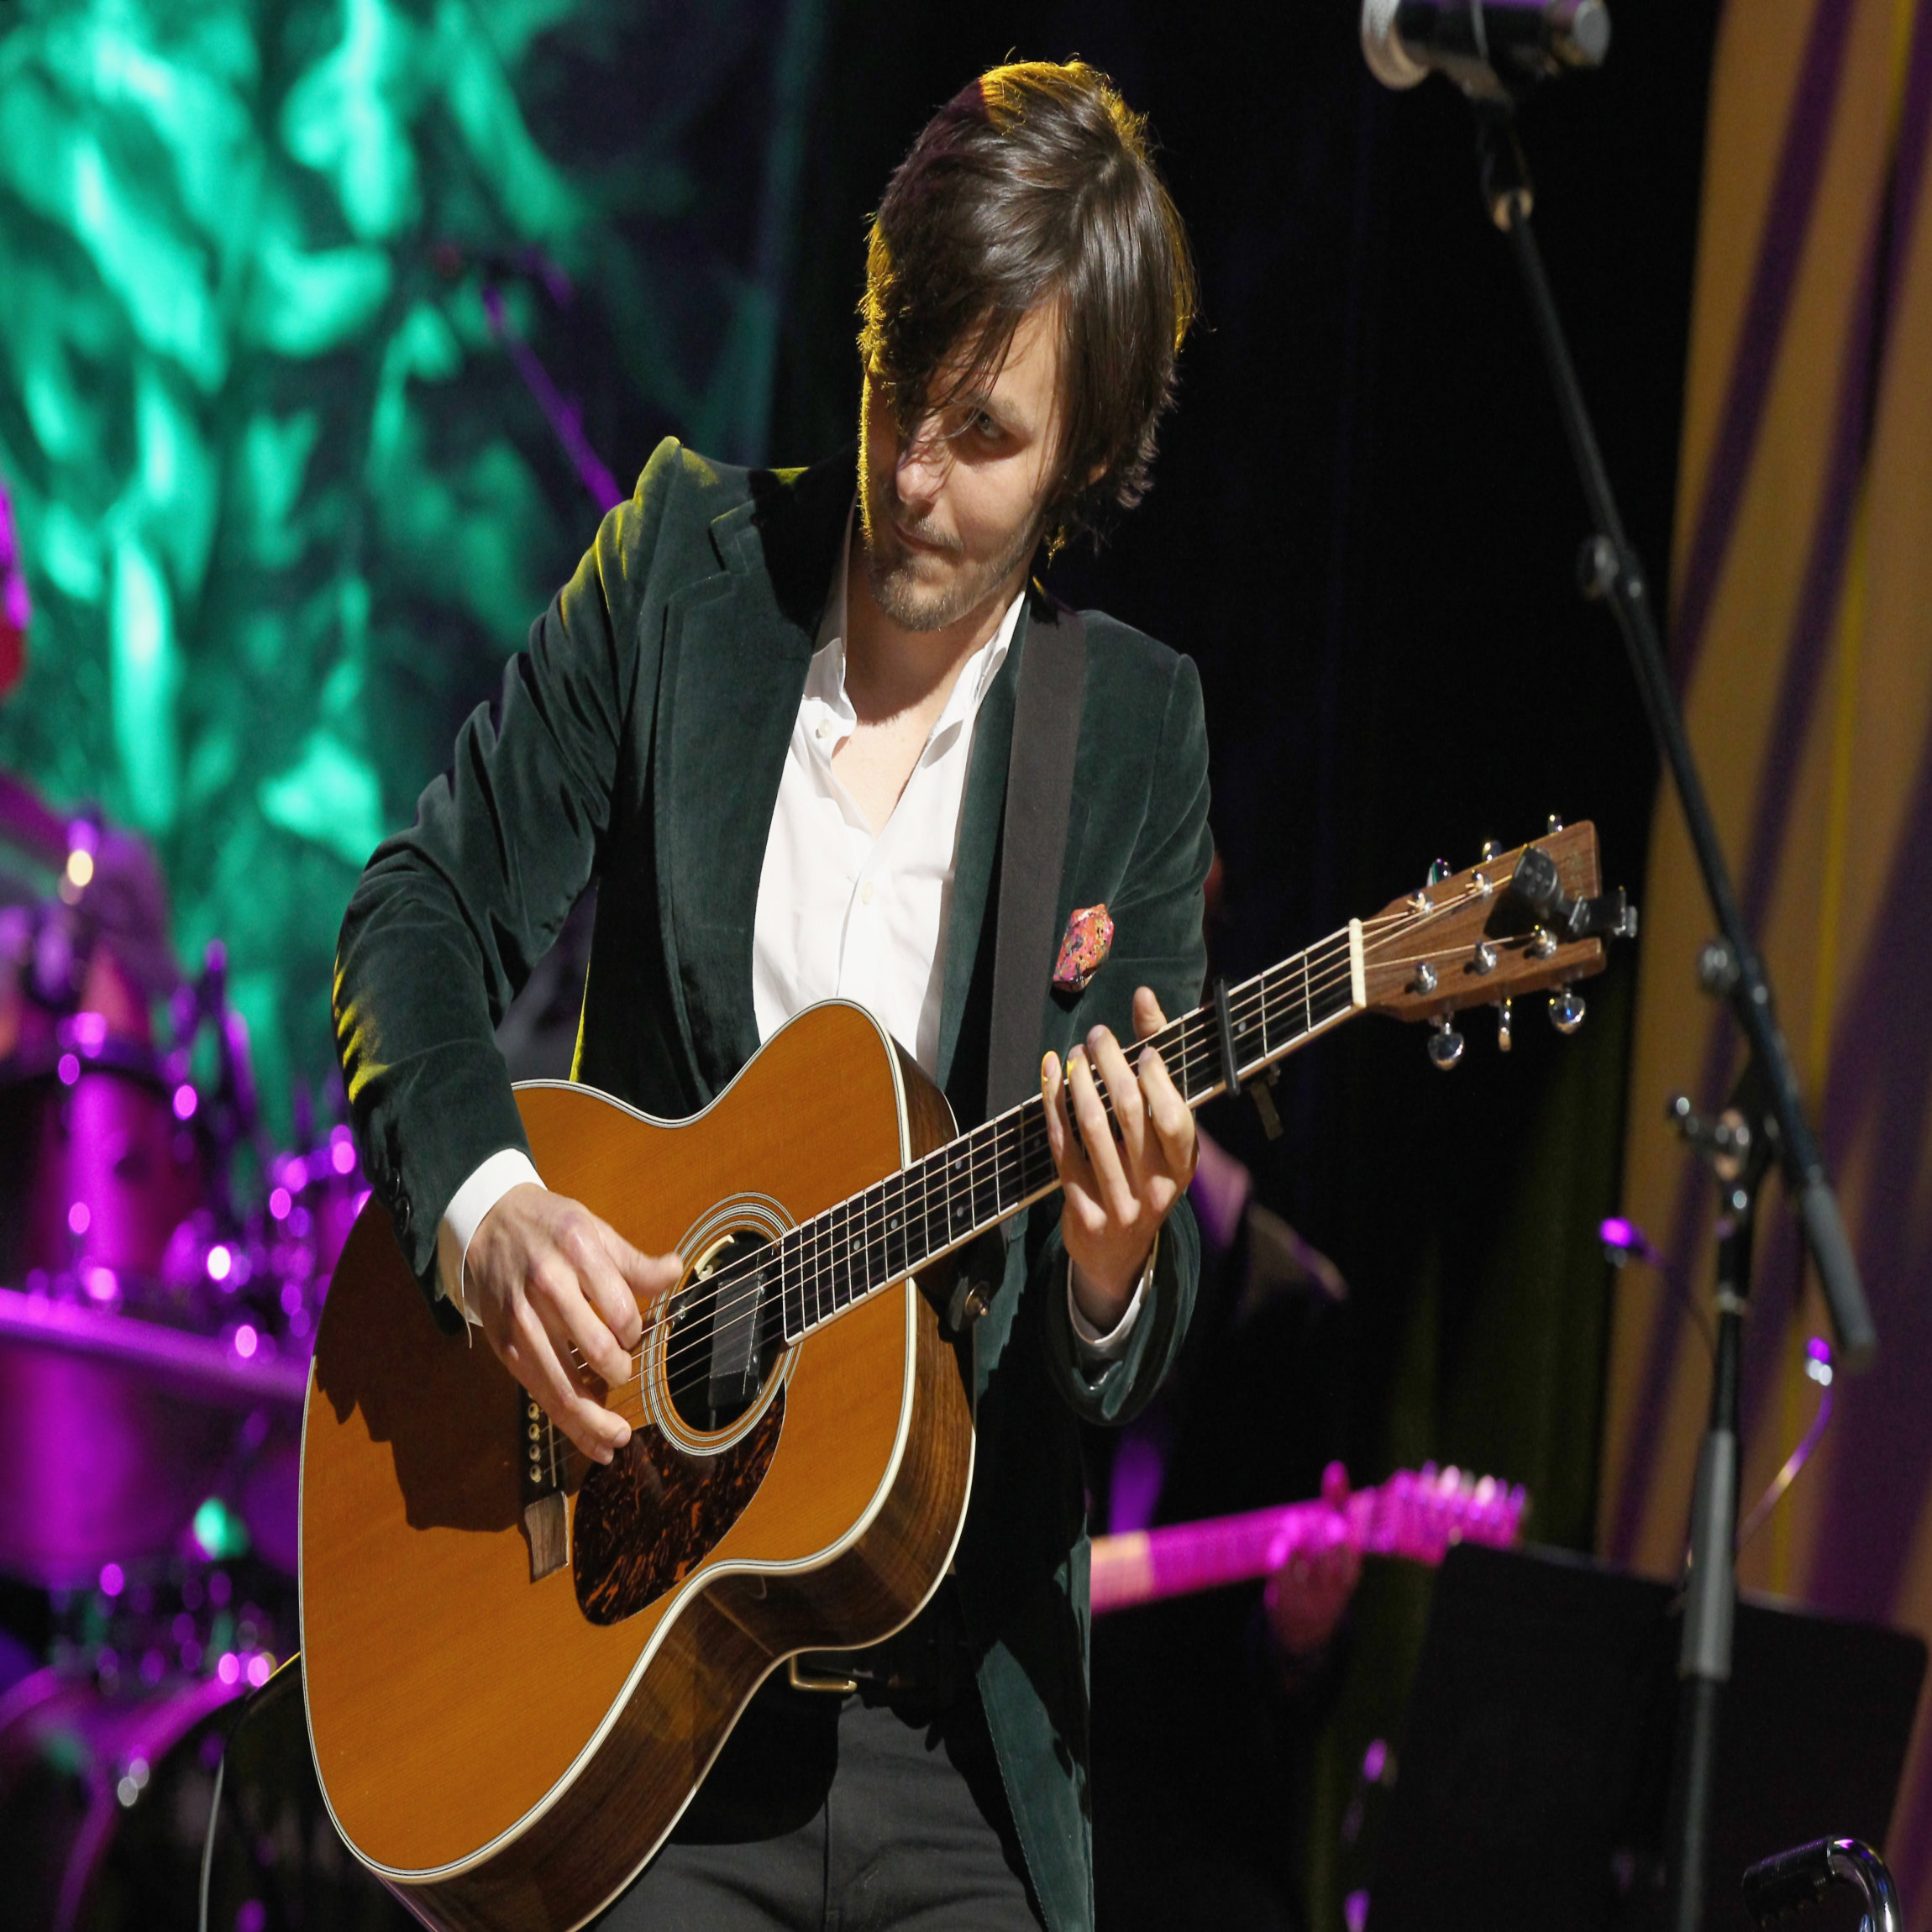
pixel 1608 569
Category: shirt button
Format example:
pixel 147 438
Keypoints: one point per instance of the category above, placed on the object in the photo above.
pixel 865 893
pixel 825 729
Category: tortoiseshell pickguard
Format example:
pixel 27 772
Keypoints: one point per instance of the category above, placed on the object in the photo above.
pixel 645 1520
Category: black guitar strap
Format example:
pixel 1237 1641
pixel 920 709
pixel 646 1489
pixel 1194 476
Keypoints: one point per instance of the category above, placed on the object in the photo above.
pixel 1033 844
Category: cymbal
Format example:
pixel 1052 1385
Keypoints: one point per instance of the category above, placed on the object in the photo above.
pixel 115 1429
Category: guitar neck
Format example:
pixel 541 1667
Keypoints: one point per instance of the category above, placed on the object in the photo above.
pixel 1149 1564
pixel 1417 1514
pixel 851 1252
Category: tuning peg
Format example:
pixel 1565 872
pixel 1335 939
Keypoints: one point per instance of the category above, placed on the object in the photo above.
pixel 1505 1037
pixel 1445 1045
pixel 1490 850
pixel 1439 869
pixel 1555 823
pixel 1567 1009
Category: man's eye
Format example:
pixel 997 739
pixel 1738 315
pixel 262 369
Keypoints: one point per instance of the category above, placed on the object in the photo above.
pixel 985 425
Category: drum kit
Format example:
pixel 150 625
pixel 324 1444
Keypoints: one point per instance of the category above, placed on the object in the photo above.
pixel 161 1271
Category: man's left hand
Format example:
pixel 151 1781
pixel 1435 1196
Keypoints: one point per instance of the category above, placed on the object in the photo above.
pixel 1307 1598
pixel 1120 1181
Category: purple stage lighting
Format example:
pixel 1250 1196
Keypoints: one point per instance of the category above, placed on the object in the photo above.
pixel 1818 1367
pixel 1623 1238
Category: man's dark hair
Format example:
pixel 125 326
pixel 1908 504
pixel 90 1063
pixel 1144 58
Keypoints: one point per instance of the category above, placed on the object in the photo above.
pixel 1034 184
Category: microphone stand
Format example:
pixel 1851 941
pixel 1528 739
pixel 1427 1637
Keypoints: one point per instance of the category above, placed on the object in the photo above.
pixel 1609 569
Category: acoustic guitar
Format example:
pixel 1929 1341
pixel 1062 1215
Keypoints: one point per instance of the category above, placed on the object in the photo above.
pixel 518 1665
pixel 1417 1514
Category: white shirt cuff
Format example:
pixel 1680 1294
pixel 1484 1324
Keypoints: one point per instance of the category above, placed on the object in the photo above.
pixel 1095 1346
pixel 507 1169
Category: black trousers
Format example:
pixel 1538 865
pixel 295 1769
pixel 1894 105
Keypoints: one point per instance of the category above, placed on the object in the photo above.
pixel 834 1814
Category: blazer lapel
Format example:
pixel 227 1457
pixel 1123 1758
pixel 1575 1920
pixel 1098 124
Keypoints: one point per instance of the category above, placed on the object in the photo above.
pixel 736 648
pixel 978 849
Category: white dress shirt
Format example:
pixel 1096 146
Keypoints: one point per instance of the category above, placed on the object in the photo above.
pixel 845 913
pixel 842 912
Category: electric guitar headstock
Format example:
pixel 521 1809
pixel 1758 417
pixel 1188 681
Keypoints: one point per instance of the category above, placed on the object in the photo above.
pixel 1418 1513
pixel 1532 920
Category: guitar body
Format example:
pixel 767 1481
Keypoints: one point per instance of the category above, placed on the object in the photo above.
pixel 508 1749
pixel 516 1674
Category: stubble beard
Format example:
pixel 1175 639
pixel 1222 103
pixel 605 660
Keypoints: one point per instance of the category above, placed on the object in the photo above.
pixel 894 570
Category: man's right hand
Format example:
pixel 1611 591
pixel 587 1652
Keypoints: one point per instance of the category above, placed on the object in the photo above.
pixel 552 1284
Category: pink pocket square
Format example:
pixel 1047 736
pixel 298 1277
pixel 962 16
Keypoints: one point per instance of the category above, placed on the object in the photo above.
pixel 1089 933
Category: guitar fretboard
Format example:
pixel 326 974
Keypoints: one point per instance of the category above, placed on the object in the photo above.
pixel 953 1195
pixel 1417 1514
pixel 1174 1561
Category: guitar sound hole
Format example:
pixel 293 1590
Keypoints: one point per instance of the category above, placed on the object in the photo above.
pixel 726 1331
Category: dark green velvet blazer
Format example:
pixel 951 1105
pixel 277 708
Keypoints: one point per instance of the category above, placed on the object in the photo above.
pixel 640 738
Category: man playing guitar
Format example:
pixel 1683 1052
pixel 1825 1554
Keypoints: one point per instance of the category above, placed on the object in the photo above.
pixel 772 714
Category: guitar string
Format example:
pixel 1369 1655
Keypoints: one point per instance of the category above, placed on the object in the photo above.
pixel 958 1176
pixel 1277 1001
pixel 966 1172
pixel 830 1263
pixel 963 1170
pixel 1274 1001
pixel 1007 1163
pixel 1024 1157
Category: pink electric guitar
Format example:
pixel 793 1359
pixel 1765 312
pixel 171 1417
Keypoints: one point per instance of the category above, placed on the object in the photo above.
pixel 1416 1514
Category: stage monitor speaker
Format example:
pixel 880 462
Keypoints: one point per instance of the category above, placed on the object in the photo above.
pixel 1535 1757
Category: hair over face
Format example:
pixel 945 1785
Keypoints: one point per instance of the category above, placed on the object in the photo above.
pixel 1034 184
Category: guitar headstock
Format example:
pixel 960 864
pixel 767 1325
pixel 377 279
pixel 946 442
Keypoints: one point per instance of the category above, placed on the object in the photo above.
pixel 1514 923
pixel 1420 1512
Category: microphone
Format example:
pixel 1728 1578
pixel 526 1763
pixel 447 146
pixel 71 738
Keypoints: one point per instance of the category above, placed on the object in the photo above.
pixel 1491 48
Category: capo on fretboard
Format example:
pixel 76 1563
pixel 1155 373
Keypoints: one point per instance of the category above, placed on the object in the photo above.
pixel 1261 1092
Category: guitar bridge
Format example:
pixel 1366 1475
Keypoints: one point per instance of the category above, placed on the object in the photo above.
pixel 546 1518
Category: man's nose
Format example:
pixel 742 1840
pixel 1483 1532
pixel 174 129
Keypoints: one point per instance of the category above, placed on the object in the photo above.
pixel 924 458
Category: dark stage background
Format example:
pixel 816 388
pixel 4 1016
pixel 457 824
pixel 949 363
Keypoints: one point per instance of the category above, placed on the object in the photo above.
pixel 1362 527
